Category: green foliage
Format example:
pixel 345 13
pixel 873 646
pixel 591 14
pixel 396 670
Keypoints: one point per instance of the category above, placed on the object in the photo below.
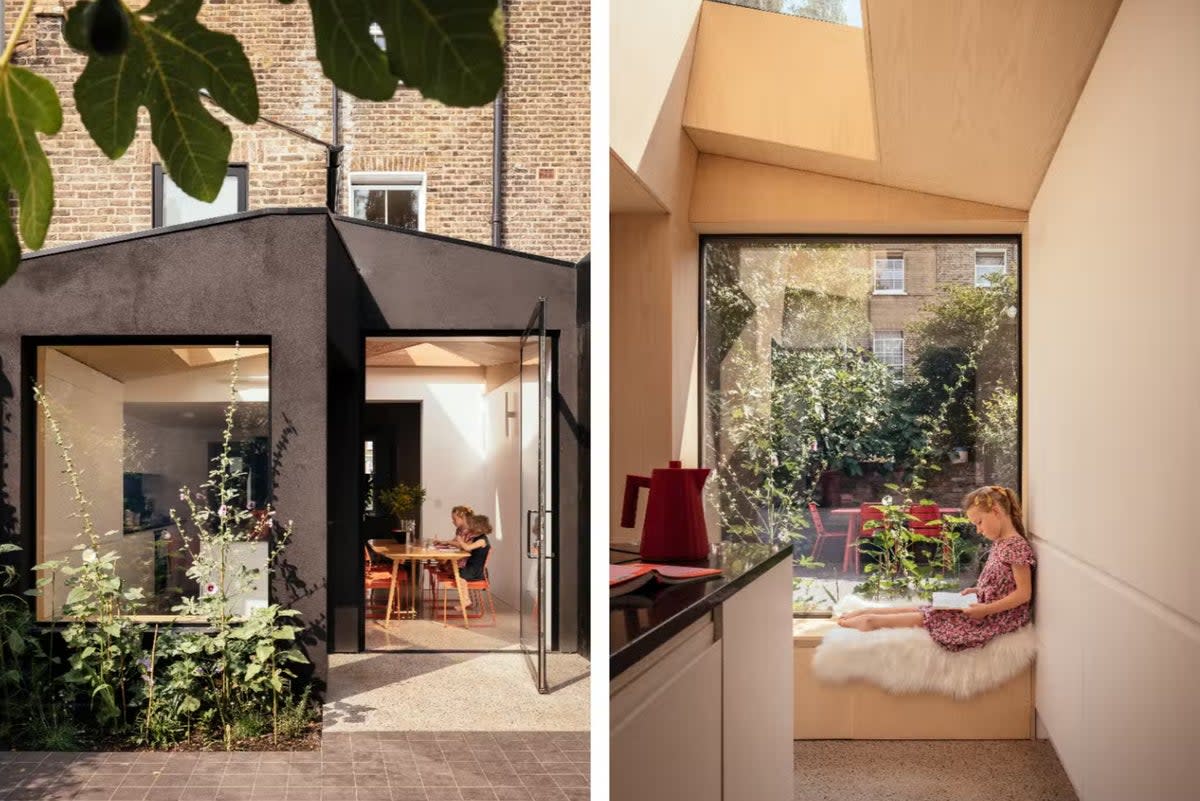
pixel 169 58
pixel 896 570
pixel 104 644
pixel 233 679
pixel 451 50
pixel 160 56
pixel 403 499
pixel 28 106
pixel 998 434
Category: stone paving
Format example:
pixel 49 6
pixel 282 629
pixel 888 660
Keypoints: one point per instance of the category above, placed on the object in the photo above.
pixel 363 766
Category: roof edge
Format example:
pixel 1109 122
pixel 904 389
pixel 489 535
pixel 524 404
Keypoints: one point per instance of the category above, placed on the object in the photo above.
pixel 453 241
pixel 168 229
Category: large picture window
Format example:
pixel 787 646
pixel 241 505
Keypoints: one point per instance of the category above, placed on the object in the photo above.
pixel 144 422
pixel 804 421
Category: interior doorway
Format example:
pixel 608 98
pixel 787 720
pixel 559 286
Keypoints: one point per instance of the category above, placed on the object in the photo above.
pixel 443 413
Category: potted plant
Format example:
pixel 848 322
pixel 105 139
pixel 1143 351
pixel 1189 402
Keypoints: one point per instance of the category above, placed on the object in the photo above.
pixel 404 502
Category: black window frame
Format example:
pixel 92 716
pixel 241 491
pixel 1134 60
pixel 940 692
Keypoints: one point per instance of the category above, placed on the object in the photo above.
pixel 28 526
pixel 240 171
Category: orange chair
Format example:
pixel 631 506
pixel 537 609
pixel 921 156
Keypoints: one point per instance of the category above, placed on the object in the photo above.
pixel 375 579
pixel 866 513
pixel 480 586
pixel 926 514
pixel 822 533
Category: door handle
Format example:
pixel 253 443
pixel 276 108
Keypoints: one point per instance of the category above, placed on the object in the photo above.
pixel 529 552
pixel 530 545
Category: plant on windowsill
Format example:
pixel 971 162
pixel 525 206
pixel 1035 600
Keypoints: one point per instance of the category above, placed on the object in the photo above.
pixel 403 501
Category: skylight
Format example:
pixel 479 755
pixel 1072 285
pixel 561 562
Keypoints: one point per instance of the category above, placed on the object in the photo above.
pixel 841 12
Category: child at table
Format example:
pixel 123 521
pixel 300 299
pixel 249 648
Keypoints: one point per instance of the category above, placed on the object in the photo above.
pixel 1005 586
pixel 477 546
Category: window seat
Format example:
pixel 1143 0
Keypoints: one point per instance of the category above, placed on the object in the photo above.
pixel 857 709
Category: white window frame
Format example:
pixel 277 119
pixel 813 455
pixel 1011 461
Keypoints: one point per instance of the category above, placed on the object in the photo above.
pixel 389 180
pixel 983 282
pixel 876 257
pixel 892 335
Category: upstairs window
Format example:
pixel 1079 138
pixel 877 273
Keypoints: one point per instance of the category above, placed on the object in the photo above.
pixel 393 198
pixel 889 272
pixel 989 263
pixel 889 349
pixel 173 206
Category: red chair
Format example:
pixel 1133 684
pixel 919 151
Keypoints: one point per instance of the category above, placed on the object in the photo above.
pixel 446 582
pixel 822 533
pixel 926 527
pixel 866 513
pixel 376 578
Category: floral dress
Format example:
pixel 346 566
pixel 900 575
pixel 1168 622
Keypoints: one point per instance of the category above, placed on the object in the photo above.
pixel 954 631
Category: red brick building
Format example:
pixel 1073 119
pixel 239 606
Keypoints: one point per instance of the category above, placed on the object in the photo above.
pixel 409 160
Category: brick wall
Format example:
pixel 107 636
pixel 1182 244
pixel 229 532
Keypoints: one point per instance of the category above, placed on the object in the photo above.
pixel 546 178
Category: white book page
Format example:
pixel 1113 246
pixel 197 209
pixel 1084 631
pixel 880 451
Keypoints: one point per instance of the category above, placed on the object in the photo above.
pixel 952 600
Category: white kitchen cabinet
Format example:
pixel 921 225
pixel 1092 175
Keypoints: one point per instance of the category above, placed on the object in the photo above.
pixel 666 722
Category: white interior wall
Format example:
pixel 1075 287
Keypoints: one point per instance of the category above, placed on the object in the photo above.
pixel 88 407
pixel 1110 414
pixel 464 460
pixel 504 463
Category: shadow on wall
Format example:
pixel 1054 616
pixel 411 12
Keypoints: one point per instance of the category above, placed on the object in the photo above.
pixel 290 587
pixel 8 512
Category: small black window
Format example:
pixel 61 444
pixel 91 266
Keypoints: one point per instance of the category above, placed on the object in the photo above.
pixel 173 206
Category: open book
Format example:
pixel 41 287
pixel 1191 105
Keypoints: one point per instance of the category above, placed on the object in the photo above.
pixel 628 577
pixel 952 600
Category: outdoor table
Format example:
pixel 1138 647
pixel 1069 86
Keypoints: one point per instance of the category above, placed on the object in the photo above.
pixel 852 523
pixel 415 554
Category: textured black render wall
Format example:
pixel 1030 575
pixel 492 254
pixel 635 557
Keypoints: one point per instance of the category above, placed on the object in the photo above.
pixel 262 274
pixel 424 282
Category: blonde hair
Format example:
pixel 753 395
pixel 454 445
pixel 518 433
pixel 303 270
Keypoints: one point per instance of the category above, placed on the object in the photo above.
pixel 479 525
pixel 465 512
pixel 993 496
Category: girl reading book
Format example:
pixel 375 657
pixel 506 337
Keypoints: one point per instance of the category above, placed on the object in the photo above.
pixel 1005 585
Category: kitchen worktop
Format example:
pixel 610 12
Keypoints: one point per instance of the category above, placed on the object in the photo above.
pixel 643 620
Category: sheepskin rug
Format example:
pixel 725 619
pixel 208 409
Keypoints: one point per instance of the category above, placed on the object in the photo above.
pixel 909 661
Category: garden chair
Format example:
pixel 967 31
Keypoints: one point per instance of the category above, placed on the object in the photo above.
pixel 866 513
pixel 480 586
pixel 822 533
pixel 376 578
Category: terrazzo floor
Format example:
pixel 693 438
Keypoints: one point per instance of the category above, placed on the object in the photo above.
pixel 433 635
pixel 927 770
pixel 365 766
pixel 454 692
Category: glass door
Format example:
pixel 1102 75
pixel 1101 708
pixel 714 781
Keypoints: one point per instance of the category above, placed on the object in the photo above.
pixel 537 560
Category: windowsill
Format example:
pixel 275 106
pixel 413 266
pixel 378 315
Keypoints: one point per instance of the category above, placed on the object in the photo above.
pixel 889 292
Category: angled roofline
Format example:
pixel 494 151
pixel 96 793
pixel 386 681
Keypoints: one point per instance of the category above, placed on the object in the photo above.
pixel 169 229
pixel 272 212
pixel 452 240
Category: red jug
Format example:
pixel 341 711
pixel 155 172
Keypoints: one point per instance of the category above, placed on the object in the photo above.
pixel 674 527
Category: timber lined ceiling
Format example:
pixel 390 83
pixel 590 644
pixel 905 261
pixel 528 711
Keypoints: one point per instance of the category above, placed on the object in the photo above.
pixel 968 98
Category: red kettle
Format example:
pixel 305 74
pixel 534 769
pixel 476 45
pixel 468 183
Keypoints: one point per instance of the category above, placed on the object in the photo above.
pixel 674 527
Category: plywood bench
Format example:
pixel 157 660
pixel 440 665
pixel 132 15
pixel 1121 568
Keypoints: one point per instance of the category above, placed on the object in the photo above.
pixel 861 711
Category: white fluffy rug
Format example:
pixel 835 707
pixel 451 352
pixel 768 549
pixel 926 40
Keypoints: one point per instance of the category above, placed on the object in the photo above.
pixel 909 661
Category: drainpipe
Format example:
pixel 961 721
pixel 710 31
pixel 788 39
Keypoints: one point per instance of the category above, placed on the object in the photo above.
pixel 498 160
pixel 497 168
pixel 334 160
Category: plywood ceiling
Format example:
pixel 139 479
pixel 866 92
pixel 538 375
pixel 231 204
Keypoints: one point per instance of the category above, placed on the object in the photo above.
pixel 441 352
pixel 971 97
pixel 133 362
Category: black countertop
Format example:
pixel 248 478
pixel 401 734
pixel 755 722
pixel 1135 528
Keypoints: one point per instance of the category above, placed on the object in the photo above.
pixel 643 620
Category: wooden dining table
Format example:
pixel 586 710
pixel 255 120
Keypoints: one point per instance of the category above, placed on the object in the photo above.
pixel 399 552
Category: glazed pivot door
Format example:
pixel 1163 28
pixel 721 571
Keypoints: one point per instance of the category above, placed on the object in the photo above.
pixel 537 558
